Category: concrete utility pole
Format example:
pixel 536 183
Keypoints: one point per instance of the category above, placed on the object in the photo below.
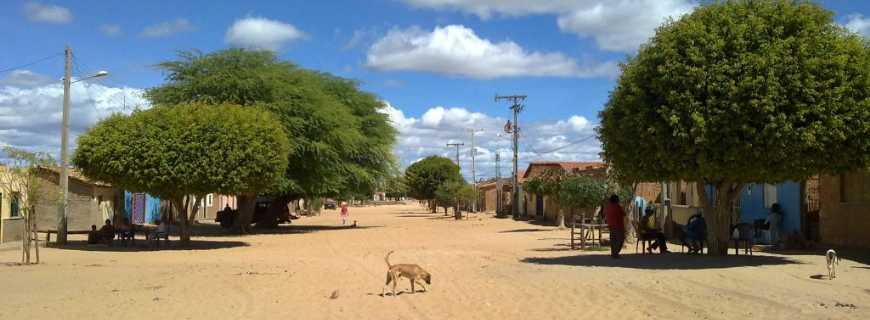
pixel 516 107
pixel 64 157
pixel 498 186
pixel 63 210
pixel 473 172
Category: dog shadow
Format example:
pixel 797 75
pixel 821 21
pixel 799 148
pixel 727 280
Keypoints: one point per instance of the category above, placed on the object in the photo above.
pixel 820 277
pixel 398 293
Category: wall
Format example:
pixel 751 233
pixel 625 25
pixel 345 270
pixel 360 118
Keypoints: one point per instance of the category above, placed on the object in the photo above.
pixel 152 207
pixel 843 224
pixel 788 196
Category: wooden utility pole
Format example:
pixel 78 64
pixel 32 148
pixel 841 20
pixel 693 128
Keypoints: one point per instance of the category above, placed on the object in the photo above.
pixel 457 145
pixel 516 107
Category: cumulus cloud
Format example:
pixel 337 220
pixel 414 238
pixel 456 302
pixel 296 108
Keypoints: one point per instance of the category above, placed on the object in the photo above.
pixel 571 139
pixel 39 12
pixel 31 109
pixel 168 28
pixel 110 30
pixel 616 25
pixel 859 24
pixel 457 50
pixel 261 33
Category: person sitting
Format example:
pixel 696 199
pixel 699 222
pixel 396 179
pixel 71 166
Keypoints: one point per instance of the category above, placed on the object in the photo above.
pixel 93 235
pixel 650 231
pixel 162 231
pixel 107 232
pixel 695 233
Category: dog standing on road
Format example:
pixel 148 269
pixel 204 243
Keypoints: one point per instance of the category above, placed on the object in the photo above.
pixel 833 261
pixel 413 272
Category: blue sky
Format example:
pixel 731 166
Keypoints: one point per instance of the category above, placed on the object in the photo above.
pixel 438 63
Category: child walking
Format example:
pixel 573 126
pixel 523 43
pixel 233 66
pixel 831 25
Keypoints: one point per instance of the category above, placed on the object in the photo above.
pixel 343 212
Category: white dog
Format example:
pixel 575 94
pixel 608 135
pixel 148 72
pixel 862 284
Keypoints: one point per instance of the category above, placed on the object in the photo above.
pixel 833 261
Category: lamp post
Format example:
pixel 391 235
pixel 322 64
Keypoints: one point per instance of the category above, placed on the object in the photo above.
pixel 64 142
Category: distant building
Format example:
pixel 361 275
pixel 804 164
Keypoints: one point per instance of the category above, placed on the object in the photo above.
pixel 545 207
pixel 90 203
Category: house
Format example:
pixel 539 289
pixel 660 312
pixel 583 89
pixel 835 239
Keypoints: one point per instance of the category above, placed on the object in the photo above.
pixel 494 195
pixel 143 208
pixel 844 217
pixel 754 203
pixel 545 207
pixel 90 203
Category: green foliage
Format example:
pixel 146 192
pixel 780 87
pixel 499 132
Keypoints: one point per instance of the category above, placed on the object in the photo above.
pixel 395 186
pixel 547 183
pixel 742 91
pixel 20 174
pixel 342 142
pixel 188 149
pixel 582 192
pixel 425 176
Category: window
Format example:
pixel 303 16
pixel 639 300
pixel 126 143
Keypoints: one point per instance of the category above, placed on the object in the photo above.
pixel 855 187
pixel 769 195
pixel 209 200
pixel 14 204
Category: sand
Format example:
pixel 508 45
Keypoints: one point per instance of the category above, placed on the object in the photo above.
pixel 482 268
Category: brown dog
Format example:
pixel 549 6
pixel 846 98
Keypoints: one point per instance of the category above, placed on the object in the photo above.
pixel 413 272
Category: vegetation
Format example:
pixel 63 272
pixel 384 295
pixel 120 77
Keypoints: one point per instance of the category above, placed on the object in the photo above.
pixel 584 193
pixel 549 183
pixel 185 152
pixel 740 92
pixel 19 176
pixel 395 187
pixel 425 176
pixel 342 140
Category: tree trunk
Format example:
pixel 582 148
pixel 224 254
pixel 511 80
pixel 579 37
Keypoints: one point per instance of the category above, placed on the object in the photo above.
pixel 181 216
pixel 277 209
pixel 560 217
pixel 718 214
pixel 247 204
pixel 457 214
pixel 433 206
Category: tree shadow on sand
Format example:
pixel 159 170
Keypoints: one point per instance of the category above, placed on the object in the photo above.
pixel 526 230
pixel 672 261
pixel 143 245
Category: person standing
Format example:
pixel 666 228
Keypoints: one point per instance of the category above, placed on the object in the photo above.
pixel 774 220
pixel 343 212
pixel 615 216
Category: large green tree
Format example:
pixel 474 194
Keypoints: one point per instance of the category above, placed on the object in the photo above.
pixel 342 139
pixel 425 176
pixel 740 92
pixel 184 152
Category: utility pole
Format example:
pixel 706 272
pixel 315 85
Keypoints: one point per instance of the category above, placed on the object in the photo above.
pixel 473 172
pixel 516 107
pixel 64 142
pixel 457 145
pixel 498 185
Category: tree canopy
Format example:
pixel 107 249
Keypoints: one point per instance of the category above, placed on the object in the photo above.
pixel 582 192
pixel 739 92
pixel 342 140
pixel 186 150
pixel 425 176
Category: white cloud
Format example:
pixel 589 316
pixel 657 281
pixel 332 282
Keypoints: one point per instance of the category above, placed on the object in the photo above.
pixel 457 50
pixel 571 139
pixel 110 30
pixel 168 28
pixel 616 25
pixel 31 109
pixel 261 33
pixel 38 12
pixel 859 24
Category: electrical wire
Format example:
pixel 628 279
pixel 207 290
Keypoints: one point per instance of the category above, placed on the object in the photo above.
pixel 31 63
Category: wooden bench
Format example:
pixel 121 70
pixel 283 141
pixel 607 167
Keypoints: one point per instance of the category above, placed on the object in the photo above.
pixel 49 232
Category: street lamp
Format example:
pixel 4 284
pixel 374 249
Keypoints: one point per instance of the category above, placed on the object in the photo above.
pixel 64 142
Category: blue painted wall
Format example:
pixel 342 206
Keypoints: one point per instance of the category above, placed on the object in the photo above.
pixel 152 207
pixel 788 196
pixel 752 204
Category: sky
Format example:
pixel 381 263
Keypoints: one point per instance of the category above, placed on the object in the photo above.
pixel 436 64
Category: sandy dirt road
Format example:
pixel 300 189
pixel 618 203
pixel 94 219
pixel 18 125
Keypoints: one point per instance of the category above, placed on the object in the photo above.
pixel 482 267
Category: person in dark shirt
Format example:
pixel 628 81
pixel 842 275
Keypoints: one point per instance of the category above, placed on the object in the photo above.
pixel 107 232
pixel 93 235
pixel 615 222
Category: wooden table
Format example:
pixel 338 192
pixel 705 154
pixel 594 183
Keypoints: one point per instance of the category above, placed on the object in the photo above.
pixel 587 233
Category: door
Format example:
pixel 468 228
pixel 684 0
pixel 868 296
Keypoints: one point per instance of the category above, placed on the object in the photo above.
pixel 539 205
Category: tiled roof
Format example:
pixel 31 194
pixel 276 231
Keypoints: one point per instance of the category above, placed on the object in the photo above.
pixel 568 165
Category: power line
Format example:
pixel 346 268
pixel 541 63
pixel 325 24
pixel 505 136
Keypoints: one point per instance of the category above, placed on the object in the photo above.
pixel 563 146
pixel 31 63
